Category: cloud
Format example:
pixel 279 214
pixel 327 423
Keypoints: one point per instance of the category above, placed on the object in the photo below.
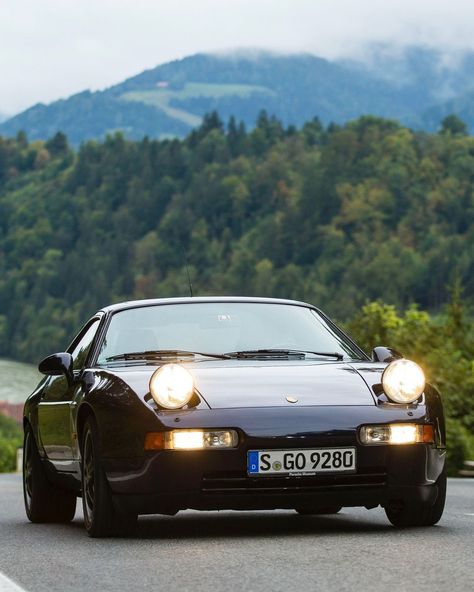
pixel 51 49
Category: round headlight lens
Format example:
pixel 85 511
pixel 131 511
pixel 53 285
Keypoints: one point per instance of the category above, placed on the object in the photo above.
pixel 172 386
pixel 403 381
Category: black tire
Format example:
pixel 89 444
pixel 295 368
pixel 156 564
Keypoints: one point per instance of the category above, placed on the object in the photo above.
pixel 101 518
pixel 318 511
pixel 411 515
pixel 44 502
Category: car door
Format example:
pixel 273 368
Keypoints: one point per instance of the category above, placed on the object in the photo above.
pixel 55 407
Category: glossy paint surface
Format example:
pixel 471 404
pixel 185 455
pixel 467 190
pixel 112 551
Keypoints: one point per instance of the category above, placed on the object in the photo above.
pixel 225 384
pixel 333 399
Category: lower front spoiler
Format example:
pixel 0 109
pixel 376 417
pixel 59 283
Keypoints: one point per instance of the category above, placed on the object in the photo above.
pixel 171 503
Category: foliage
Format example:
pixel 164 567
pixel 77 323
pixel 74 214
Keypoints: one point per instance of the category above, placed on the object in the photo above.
pixel 444 346
pixel 10 439
pixel 453 125
pixel 339 216
pixel 460 445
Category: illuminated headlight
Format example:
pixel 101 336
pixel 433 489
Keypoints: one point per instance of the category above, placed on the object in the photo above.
pixel 403 381
pixel 397 433
pixel 172 386
pixel 191 440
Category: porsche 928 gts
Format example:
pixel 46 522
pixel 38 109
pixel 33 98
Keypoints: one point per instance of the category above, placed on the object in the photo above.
pixel 228 403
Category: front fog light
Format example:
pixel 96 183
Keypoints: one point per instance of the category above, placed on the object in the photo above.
pixel 397 433
pixel 198 439
pixel 405 434
pixel 191 440
pixel 221 439
pixel 185 440
pixel 375 434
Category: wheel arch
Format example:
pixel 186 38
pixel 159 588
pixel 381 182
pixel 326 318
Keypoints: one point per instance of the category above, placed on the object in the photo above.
pixel 27 423
pixel 85 412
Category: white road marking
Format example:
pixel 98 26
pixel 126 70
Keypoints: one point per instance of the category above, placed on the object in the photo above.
pixel 468 514
pixel 7 585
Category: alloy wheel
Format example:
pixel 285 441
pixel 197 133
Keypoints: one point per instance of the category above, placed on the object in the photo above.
pixel 88 478
pixel 27 471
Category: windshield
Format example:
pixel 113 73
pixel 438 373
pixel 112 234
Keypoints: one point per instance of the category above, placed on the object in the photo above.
pixel 221 327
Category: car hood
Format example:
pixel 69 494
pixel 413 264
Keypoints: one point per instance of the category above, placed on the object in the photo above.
pixel 270 385
pixel 232 384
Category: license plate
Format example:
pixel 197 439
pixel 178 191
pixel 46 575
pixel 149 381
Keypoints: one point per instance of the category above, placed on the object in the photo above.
pixel 296 463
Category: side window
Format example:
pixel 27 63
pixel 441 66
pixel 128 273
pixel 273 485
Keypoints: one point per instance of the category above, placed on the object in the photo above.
pixel 81 349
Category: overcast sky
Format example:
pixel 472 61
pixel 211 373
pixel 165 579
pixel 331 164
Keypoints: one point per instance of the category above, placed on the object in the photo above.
pixel 53 48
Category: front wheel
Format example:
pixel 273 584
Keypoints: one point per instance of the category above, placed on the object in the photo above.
pixel 44 502
pixel 101 519
pixel 420 514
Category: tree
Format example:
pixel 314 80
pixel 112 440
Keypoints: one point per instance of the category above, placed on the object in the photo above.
pixel 57 145
pixel 454 126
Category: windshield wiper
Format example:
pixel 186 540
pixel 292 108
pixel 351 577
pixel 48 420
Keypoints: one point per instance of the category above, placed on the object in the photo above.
pixel 281 353
pixel 161 354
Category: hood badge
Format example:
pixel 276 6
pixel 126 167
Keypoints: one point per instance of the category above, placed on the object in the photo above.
pixel 292 399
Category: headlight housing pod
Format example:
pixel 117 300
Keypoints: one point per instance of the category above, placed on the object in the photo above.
pixel 403 381
pixel 192 440
pixel 172 386
pixel 397 434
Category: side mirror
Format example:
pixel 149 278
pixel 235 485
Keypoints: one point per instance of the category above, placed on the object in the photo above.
pixel 56 365
pixel 385 354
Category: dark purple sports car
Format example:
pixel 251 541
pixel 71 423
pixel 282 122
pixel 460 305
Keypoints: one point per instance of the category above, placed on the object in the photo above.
pixel 228 403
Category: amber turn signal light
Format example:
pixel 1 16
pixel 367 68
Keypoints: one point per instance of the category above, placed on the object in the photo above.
pixel 155 441
pixel 428 434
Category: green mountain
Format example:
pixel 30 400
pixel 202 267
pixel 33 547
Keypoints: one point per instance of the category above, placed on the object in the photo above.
pixel 171 99
pixel 462 106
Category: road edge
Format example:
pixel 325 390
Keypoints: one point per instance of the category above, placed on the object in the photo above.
pixel 8 585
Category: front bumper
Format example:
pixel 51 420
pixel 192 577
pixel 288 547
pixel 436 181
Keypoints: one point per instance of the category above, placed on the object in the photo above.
pixel 281 495
pixel 169 481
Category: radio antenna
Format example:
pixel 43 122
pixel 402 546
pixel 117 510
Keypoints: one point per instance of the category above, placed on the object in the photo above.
pixel 187 273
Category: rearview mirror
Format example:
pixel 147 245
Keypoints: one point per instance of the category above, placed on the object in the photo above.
pixel 385 354
pixel 56 365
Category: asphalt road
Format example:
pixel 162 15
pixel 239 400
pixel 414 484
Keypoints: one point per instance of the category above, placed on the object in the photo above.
pixel 252 551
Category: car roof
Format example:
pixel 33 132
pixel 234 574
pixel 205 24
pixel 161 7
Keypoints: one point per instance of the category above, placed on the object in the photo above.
pixel 198 299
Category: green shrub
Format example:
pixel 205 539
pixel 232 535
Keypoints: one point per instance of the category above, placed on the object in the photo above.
pixel 10 439
pixel 9 428
pixel 444 346
pixel 456 447
pixel 8 450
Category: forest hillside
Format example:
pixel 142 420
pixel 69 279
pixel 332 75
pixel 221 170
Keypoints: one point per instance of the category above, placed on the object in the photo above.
pixel 370 221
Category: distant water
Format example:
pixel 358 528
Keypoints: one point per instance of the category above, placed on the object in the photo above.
pixel 17 380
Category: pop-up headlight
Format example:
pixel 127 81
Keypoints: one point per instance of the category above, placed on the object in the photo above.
pixel 172 386
pixel 403 381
